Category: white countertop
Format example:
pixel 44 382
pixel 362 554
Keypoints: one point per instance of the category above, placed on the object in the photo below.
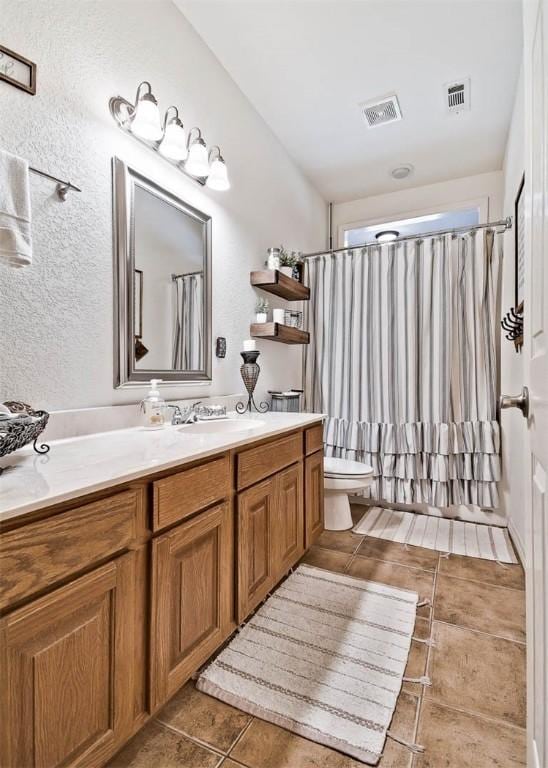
pixel 81 465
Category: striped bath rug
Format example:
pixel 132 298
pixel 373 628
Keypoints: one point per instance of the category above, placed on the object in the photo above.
pixel 324 657
pixel 489 542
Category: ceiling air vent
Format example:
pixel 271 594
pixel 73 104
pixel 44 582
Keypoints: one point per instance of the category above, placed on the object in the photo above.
pixel 457 96
pixel 381 111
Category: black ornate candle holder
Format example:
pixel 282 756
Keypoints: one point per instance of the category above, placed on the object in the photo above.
pixel 250 370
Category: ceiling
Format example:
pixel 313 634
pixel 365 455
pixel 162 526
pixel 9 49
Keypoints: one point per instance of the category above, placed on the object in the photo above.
pixel 306 65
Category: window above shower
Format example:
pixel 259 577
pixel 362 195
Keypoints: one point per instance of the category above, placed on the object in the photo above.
pixel 366 232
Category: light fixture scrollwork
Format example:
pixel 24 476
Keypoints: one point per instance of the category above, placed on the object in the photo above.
pixel 189 154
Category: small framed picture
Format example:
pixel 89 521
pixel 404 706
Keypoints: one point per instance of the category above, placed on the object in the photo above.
pixel 17 70
pixel 519 245
pixel 138 304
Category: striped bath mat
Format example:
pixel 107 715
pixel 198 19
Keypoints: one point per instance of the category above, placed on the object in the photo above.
pixel 489 542
pixel 324 657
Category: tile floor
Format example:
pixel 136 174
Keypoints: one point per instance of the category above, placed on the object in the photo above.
pixel 473 715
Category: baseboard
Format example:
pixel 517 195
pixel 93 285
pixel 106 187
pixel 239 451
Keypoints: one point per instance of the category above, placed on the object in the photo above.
pixel 517 542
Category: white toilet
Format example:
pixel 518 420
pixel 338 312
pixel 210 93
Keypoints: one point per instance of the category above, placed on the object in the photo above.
pixel 342 477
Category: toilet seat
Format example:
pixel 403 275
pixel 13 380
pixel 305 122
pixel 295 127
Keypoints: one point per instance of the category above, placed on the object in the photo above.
pixel 341 469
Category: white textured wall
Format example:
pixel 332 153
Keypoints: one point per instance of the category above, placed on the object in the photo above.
pixel 56 317
pixel 512 374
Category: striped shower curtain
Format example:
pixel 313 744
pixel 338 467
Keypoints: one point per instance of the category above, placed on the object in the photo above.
pixel 189 322
pixel 403 360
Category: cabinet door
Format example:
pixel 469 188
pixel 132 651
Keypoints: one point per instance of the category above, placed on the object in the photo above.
pixel 313 495
pixel 288 528
pixel 67 694
pixel 256 510
pixel 192 598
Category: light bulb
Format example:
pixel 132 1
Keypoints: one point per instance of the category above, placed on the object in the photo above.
pixel 173 144
pixel 197 162
pixel 146 120
pixel 218 175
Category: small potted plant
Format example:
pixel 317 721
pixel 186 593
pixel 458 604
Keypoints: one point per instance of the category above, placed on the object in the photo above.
pixel 261 310
pixel 288 261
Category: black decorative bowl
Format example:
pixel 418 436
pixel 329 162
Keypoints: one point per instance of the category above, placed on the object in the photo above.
pixel 18 432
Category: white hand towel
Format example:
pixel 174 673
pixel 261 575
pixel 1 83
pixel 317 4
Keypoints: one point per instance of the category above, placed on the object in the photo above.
pixel 15 233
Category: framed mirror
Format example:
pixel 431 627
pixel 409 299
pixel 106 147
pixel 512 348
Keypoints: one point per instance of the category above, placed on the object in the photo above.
pixel 162 283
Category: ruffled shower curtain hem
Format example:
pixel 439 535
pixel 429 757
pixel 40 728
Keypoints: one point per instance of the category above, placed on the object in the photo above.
pixel 420 463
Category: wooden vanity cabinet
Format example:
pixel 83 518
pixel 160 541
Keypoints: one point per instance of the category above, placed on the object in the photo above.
pixel 110 603
pixel 67 694
pixel 192 598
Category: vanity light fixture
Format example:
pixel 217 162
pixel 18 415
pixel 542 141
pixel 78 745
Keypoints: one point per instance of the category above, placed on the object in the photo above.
pixel 173 145
pixel 145 121
pixel 197 163
pixel 387 235
pixel 218 174
pixel 188 154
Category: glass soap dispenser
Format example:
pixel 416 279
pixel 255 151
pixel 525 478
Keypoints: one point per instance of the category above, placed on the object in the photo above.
pixel 153 407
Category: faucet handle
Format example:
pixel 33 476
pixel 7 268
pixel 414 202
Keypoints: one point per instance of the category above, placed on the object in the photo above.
pixel 177 416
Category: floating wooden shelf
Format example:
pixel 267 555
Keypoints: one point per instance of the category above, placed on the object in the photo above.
pixel 278 332
pixel 274 281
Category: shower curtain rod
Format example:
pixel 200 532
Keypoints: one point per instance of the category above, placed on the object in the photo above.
pixel 506 223
pixel 186 274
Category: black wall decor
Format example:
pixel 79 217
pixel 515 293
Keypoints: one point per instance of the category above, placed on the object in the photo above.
pixel 512 325
pixel 220 346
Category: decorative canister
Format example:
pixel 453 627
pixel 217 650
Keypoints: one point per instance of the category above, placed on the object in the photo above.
pixel 273 260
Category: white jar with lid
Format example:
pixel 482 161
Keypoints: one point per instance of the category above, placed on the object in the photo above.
pixel 273 261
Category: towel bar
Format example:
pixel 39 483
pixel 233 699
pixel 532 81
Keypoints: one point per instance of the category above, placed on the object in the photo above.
pixel 62 186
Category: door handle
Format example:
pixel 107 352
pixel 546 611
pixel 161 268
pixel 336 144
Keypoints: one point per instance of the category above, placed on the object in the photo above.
pixel 516 401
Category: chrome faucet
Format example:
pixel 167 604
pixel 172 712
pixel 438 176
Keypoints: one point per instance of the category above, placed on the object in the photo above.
pixel 189 416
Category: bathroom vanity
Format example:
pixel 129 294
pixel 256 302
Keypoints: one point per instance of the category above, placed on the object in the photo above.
pixel 117 588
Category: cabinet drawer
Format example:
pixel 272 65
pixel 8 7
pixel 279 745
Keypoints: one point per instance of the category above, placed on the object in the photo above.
pixel 178 496
pixel 258 463
pixel 37 555
pixel 313 439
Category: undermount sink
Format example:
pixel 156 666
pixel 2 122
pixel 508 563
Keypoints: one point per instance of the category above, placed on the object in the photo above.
pixel 221 427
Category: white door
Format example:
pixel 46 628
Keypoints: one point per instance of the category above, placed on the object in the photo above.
pixel 536 371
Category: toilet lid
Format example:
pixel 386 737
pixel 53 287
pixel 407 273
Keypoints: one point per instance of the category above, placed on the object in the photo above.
pixel 344 468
